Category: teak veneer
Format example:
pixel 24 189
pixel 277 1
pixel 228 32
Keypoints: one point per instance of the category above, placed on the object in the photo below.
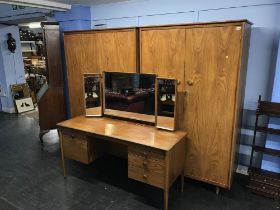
pixel 209 60
pixel 155 157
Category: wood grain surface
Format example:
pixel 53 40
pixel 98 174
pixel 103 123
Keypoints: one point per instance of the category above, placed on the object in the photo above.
pixel 125 132
pixel 162 53
pixel 212 67
pixel 95 52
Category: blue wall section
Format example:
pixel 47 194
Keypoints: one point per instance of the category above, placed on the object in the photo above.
pixel 78 18
pixel 11 64
pixel 276 85
pixel 265 14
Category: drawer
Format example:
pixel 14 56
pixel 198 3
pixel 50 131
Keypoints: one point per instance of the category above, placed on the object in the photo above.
pixel 146 163
pixel 265 180
pixel 77 147
pixel 145 176
pixel 147 153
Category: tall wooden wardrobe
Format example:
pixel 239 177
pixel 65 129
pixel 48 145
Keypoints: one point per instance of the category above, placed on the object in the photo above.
pixel 209 61
pixel 51 104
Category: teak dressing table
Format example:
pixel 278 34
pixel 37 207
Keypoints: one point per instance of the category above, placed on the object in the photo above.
pixel 155 157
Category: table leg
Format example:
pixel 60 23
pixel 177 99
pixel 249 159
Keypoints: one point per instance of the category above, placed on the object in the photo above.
pixel 217 190
pixel 182 181
pixel 166 196
pixel 62 154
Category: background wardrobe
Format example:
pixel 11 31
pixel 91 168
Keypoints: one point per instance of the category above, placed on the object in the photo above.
pixel 51 102
pixel 208 59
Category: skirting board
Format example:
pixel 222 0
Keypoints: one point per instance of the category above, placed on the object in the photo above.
pixel 8 109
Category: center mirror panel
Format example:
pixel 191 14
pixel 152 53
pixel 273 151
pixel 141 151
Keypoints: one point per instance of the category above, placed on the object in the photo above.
pixel 166 103
pixel 130 95
pixel 93 94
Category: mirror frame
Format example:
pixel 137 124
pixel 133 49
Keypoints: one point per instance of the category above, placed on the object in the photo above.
pixel 156 104
pixel 100 93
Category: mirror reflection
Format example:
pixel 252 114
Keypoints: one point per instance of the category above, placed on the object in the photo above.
pixel 130 95
pixel 166 103
pixel 92 92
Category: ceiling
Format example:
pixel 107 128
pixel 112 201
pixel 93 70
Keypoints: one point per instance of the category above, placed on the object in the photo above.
pixel 88 2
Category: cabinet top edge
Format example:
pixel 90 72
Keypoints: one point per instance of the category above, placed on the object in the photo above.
pixel 161 26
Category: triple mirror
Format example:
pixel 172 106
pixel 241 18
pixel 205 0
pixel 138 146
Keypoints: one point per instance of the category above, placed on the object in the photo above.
pixel 141 97
pixel 92 94
pixel 166 103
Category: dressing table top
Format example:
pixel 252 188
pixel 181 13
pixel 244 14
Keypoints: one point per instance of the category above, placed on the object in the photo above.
pixel 125 131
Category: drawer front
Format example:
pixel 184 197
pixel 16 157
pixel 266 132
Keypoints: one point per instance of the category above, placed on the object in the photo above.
pixel 265 180
pixel 146 166
pixel 76 147
pixel 147 153
pixel 147 177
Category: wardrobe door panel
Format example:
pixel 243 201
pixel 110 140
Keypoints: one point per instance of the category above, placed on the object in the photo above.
pixel 79 48
pixel 211 76
pixel 116 51
pixel 163 53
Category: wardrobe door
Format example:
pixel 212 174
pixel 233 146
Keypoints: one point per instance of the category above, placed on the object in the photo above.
pixel 116 50
pixel 211 75
pixel 163 53
pixel 79 54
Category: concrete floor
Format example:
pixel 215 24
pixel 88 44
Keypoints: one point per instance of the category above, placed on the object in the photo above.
pixel 32 179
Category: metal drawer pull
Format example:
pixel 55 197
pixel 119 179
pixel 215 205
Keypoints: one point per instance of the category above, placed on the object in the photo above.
pixel 264 180
pixel 264 187
pixel 145 176
pixel 145 163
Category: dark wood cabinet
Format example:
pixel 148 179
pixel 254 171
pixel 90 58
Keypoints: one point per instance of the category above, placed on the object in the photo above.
pixel 51 104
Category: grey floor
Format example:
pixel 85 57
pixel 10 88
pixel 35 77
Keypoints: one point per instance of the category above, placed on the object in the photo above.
pixel 32 179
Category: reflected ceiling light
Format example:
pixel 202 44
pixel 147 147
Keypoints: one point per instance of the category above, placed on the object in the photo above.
pixel 35 25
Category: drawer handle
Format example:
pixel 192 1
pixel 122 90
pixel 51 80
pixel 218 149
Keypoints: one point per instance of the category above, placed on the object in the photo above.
pixel 145 176
pixel 264 180
pixel 264 187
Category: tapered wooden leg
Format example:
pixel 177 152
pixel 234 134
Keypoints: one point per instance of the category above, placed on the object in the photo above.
pixel 217 190
pixel 182 181
pixel 62 154
pixel 166 195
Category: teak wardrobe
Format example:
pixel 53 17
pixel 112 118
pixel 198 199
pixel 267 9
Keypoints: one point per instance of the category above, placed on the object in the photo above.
pixel 209 60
